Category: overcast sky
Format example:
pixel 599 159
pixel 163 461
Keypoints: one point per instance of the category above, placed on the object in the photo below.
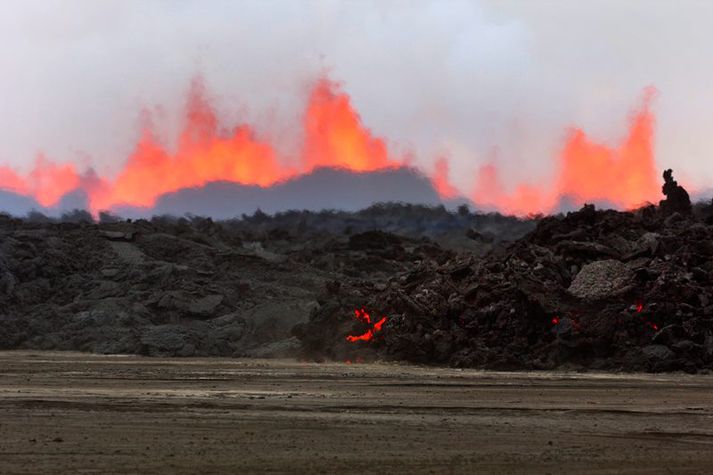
pixel 478 80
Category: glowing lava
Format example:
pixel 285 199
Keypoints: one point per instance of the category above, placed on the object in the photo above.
pixel 363 316
pixel 334 136
pixel 203 156
pixel 441 181
pixel 47 182
pixel 624 176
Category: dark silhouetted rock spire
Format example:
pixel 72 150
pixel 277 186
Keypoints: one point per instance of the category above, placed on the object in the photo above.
pixel 677 199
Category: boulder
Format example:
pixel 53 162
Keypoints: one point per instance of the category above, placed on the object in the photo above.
pixel 601 279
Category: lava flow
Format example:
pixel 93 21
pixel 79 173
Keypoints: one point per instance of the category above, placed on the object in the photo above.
pixel 363 316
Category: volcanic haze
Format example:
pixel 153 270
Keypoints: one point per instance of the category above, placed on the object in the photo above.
pixel 127 101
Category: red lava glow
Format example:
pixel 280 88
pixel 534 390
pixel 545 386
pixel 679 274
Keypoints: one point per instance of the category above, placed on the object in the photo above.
pixel 363 316
pixel 334 136
pixel 203 155
pixel 624 176
pixel 441 181
pixel 363 337
pixel 47 182
pixel 639 307
pixel 379 324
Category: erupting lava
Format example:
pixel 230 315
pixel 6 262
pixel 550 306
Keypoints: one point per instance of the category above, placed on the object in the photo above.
pixel 440 180
pixel 588 172
pixel 625 176
pixel 333 136
pixel 47 182
pixel 364 317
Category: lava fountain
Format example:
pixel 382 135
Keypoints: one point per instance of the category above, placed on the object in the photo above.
pixel 334 136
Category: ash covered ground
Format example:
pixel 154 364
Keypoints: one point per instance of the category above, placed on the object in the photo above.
pixel 591 289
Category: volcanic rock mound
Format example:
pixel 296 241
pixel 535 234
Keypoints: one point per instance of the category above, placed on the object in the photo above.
pixel 182 287
pixel 593 289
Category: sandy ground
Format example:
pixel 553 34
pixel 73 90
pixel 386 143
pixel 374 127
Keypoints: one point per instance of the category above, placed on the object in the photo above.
pixel 77 413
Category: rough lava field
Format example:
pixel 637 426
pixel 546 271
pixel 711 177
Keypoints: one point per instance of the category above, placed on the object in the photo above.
pixel 195 287
pixel 356 236
pixel 356 342
pixel 591 289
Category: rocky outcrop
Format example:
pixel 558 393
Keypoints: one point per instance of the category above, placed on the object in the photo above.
pixel 677 199
pixel 593 289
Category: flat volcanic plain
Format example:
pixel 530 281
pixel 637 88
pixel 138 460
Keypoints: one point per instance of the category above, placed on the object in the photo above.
pixel 83 413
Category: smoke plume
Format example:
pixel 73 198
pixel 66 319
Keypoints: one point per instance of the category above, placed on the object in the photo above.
pixel 512 106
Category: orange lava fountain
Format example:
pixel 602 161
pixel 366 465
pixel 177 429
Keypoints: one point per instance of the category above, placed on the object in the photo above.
pixel 624 176
pixel 334 136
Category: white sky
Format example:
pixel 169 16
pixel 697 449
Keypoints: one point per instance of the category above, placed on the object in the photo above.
pixel 473 79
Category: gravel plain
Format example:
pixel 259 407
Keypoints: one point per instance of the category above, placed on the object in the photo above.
pixel 83 413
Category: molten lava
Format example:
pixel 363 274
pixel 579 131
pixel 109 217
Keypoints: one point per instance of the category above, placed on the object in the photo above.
pixel 587 172
pixel 203 156
pixel 625 176
pixel 441 182
pixel 363 316
pixel 334 136
pixel 47 182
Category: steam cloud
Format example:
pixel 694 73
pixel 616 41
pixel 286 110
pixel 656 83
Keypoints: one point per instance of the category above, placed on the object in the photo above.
pixel 460 88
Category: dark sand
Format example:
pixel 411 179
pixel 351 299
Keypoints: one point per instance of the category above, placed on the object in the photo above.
pixel 79 413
